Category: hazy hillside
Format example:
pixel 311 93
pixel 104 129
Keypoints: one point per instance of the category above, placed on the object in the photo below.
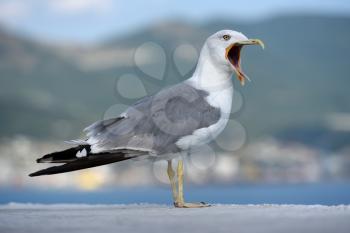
pixel 300 78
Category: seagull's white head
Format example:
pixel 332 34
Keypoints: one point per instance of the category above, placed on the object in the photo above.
pixel 225 48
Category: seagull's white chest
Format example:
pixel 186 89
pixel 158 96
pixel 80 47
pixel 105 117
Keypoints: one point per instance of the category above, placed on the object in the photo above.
pixel 221 99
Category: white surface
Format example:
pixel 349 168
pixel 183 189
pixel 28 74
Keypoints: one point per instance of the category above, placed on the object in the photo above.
pixel 160 218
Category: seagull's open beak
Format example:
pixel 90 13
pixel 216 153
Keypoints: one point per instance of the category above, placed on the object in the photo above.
pixel 233 54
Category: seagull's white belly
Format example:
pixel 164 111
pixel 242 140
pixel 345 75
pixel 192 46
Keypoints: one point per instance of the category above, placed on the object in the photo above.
pixel 221 99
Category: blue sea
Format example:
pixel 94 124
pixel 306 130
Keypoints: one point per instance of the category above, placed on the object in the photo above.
pixel 325 194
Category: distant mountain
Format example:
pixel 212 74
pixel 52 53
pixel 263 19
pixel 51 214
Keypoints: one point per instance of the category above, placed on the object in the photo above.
pixel 52 91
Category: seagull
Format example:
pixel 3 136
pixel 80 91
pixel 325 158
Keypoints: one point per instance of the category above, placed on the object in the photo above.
pixel 165 125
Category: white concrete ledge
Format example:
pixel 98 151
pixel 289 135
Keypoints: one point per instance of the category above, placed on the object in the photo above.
pixel 16 217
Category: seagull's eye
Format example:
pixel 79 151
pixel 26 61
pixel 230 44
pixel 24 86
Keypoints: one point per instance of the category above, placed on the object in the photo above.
pixel 226 37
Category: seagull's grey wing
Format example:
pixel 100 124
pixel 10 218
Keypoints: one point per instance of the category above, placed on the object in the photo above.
pixel 155 123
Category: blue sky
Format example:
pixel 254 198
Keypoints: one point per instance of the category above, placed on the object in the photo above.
pixel 91 20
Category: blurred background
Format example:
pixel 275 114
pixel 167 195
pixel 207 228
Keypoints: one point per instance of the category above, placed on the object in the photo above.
pixel 65 64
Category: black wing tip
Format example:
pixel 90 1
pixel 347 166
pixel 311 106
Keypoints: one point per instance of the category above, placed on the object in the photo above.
pixel 45 160
pixel 33 174
pixel 38 173
pixel 82 163
pixel 42 172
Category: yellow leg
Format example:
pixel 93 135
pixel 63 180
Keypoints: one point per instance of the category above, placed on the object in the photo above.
pixel 180 180
pixel 171 175
pixel 180 203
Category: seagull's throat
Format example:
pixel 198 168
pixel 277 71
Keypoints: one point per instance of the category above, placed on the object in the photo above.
pixel 233 54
